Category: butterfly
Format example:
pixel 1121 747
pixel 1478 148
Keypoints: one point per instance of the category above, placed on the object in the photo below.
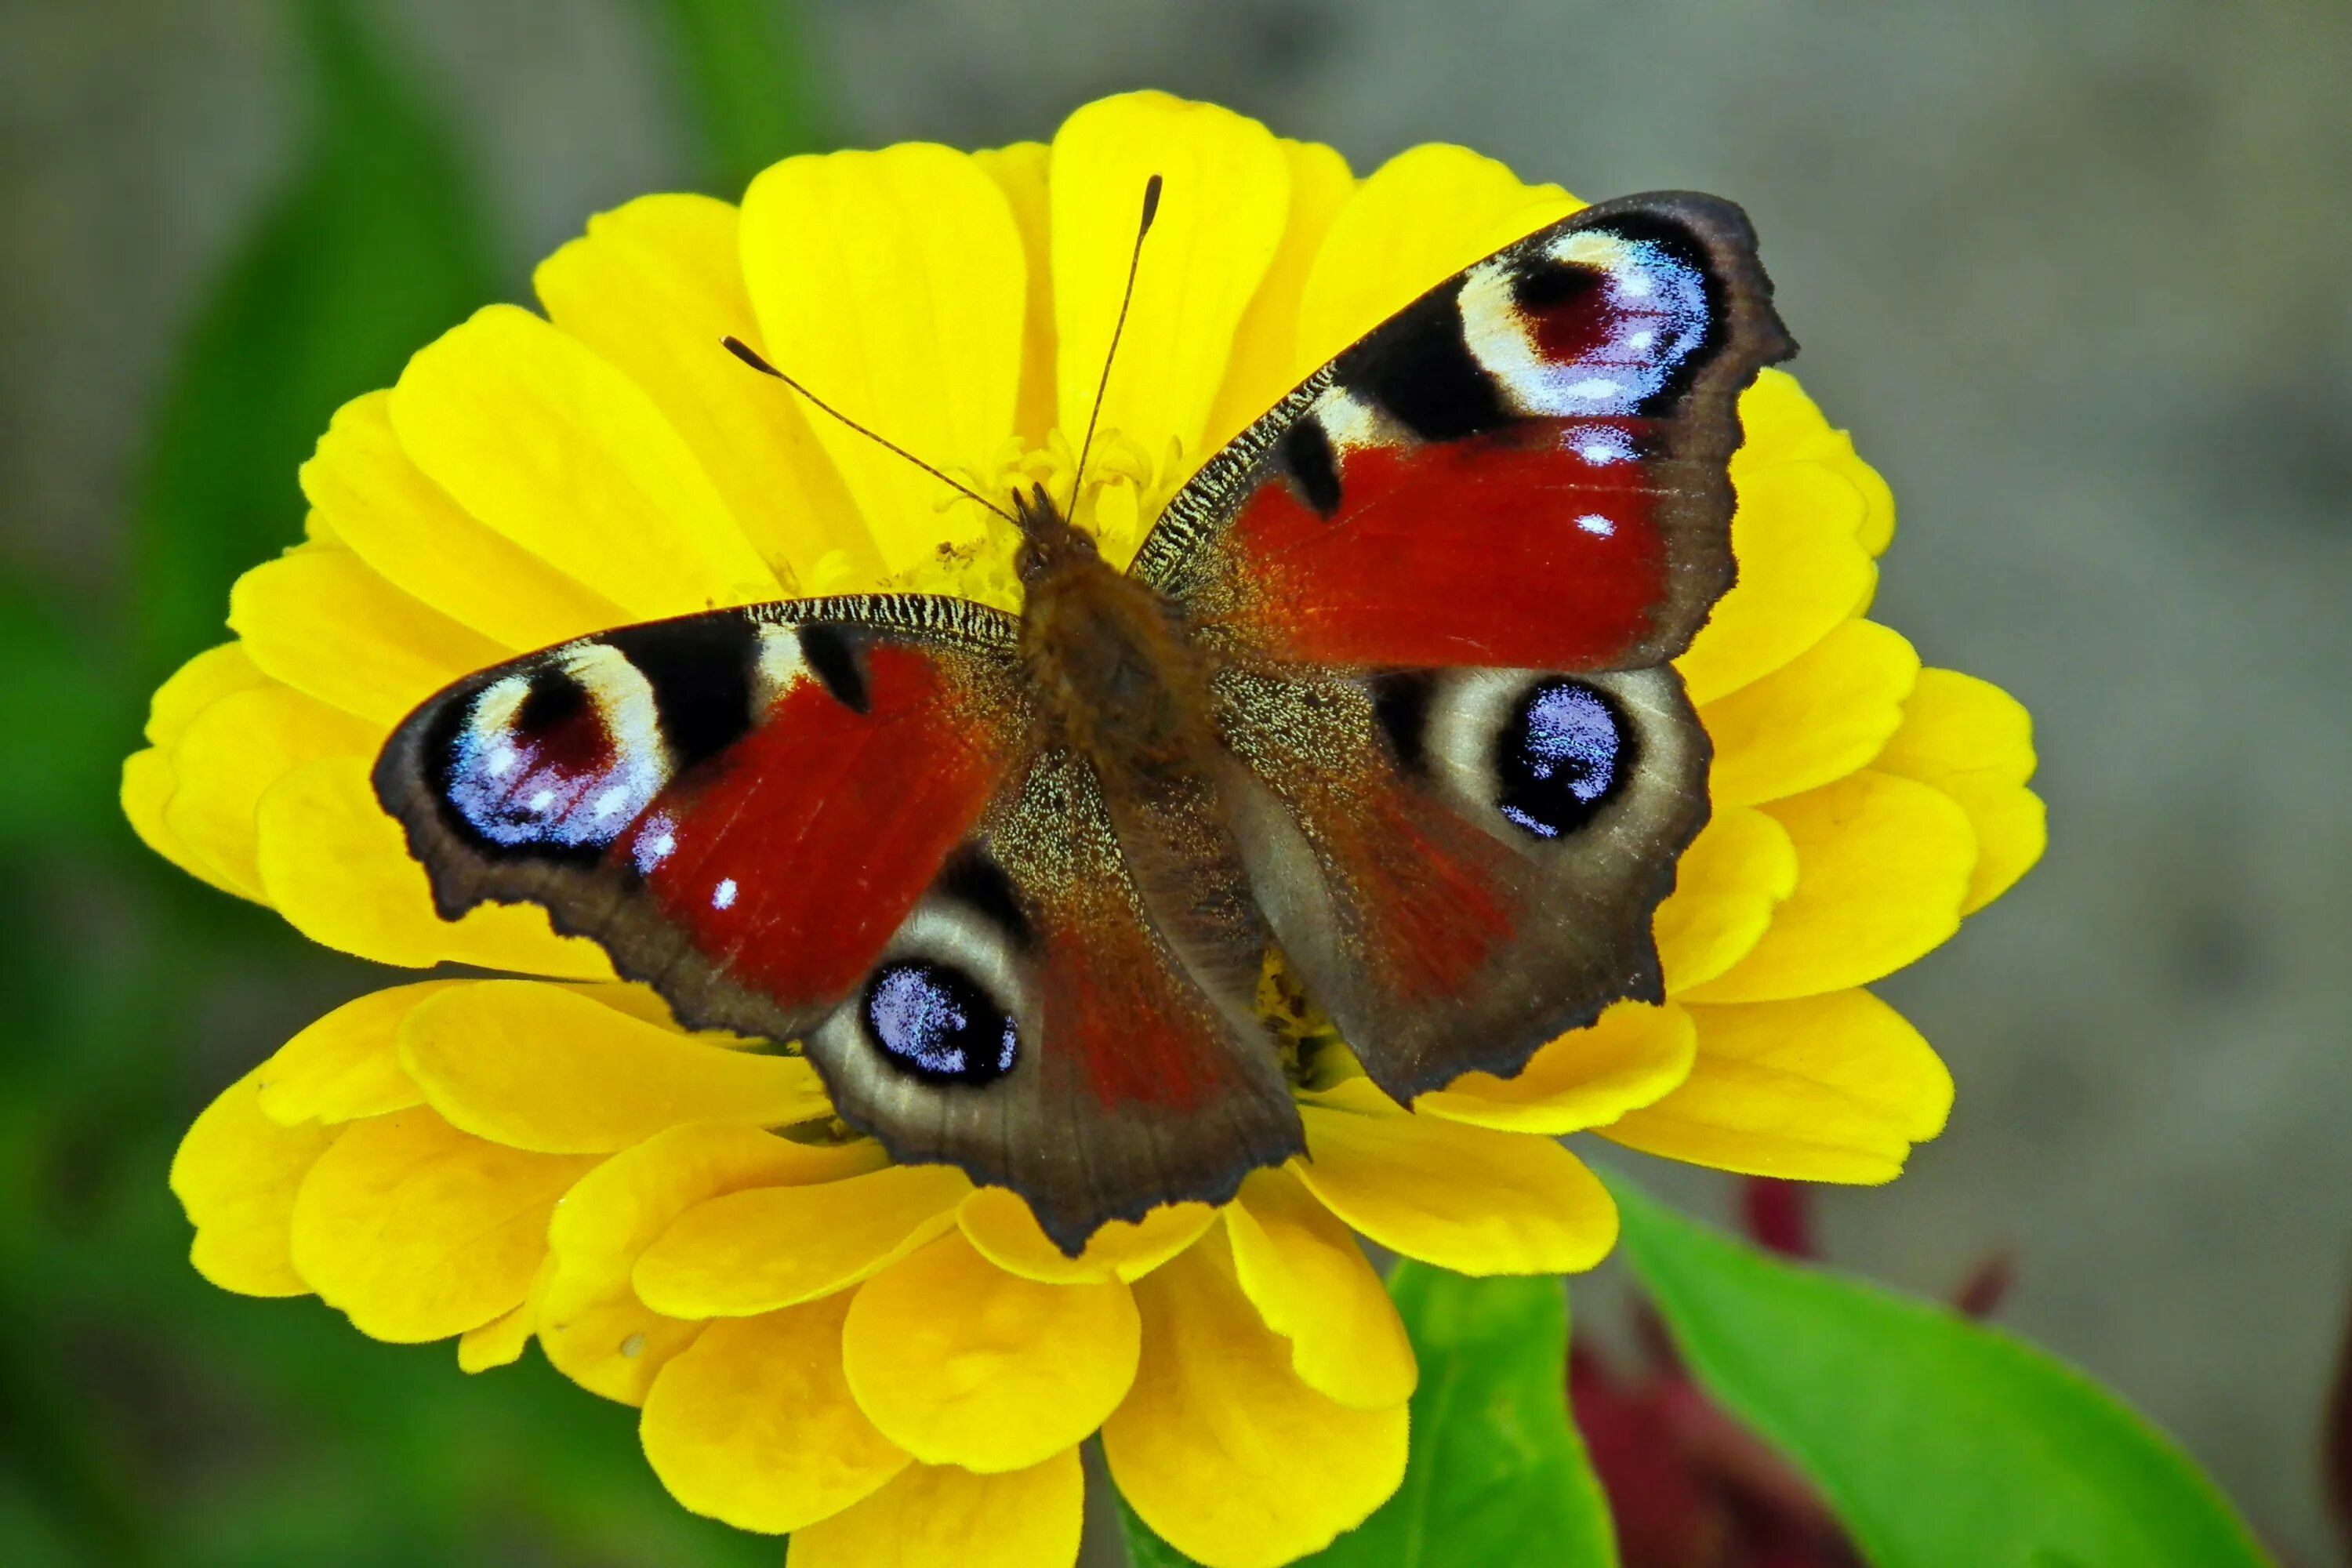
pixel 1385 689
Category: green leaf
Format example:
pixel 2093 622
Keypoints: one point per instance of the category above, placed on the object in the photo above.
pixel 1936 1440
pixel 374 248
pixel 745 82
pixel 1497 1474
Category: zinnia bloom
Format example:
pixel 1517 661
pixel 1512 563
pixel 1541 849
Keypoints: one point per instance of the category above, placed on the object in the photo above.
pixel 880 1358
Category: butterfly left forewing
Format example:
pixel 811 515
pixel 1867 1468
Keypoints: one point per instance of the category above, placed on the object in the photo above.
pixel 740 806
pixel 1443 580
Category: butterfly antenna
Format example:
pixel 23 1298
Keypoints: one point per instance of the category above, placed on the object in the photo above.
pixel 751 356
pixel 1150 210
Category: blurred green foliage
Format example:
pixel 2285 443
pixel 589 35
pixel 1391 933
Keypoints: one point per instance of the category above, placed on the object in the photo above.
pixel 743 80
pixel 373 250
pixel 144 1416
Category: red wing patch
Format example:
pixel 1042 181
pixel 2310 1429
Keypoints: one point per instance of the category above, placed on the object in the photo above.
pixel 738 807
pixel 791 858
pixel 1524 469
pixel 1506 550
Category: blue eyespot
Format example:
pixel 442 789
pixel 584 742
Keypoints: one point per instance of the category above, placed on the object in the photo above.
pixel 938 1023
pixel 1566 753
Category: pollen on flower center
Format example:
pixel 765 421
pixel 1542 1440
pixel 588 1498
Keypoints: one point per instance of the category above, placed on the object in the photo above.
pixel 1123 492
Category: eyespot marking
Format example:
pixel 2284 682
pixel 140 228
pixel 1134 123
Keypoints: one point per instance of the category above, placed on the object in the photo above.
pixel 937 1022
pixel 1566 751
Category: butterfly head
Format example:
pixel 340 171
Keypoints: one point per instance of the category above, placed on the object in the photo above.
pixel 1050 542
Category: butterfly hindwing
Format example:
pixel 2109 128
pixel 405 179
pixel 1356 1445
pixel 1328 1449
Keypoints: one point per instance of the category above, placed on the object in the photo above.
pixel 1525 467
pixel 1119 1066
pixel 1461 864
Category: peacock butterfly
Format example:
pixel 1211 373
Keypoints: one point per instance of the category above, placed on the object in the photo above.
pixel 1386 688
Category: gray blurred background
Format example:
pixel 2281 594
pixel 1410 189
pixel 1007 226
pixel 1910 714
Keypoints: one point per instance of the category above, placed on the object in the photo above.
pixel 2075 276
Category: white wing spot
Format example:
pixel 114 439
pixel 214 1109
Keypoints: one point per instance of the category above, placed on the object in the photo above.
pixel 722 897
pixel 542 801
pixel 1592 522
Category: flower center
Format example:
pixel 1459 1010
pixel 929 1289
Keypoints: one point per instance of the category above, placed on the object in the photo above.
pixel 1123 493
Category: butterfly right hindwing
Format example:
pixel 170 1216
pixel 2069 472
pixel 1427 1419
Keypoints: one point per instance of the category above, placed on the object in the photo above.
pixel 1462 863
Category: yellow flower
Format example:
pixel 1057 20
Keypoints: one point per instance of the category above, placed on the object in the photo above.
pixel 882 1359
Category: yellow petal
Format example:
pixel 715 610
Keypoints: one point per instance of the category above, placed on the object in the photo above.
pixel 755 1251
pixel 753 1423
pixel 1021 171
pixel 1816 718
pixel 148 779
pixel 1311 1283
pixel 1000 1224
pixel 338 869
pixel 1267 358
pixel 652 288
pixel 1224 196
pixel 215 673
pixel 1586 1078
pixel 959 1362
pixel 1803 571
pixel 1415 221
pixel 1220 1448
pixel 891 284
pixel 147 785
pixel 1975 742
pixel 1735 873
pixel 532 432
pixel 236 1173
pixel 232 753
pixel 418 1231
pixel 592 1324
pixel 537 1067
pixel 1825 1089
pixel 1882 866
pixel 1781 423
pixel 383 508
pixel 1464 1198
pixel 324 623
pixel 500 1342
pixel 347 1065
pixel 931 1515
